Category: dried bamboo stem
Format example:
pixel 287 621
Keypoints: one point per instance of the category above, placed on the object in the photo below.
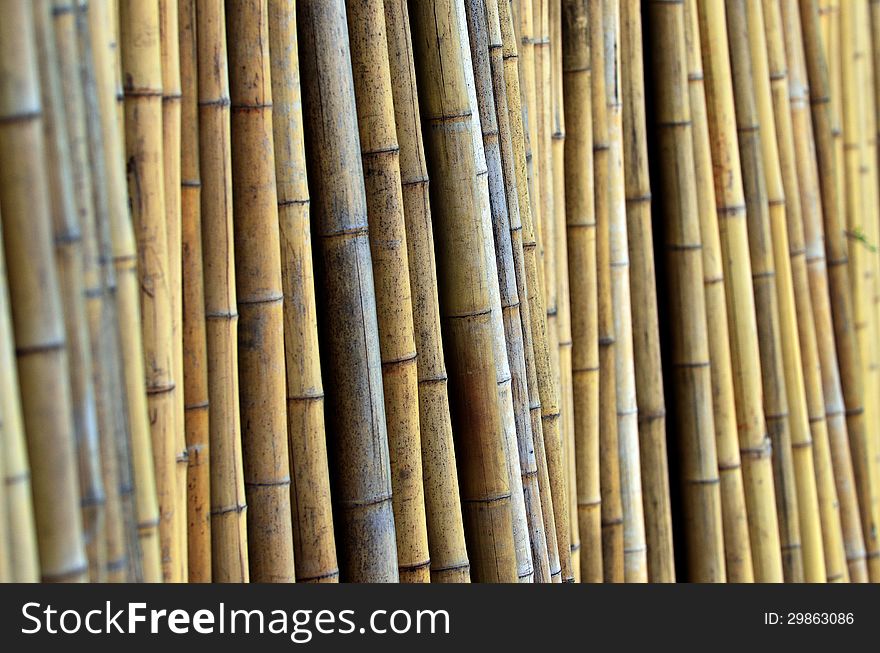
pixel 446 543
pixel 634 542
pixel 828 507
pixel 312 513
pixel 35 301
pixel 229 545
pixel 731 209
pixel 356 427
pixel 836 253
pixel 646 336
pixel 692 383
pixel 195 355
pixel 260 296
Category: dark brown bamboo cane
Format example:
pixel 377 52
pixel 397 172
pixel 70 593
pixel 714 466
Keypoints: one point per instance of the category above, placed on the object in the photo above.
pixel 67 169
pixel 635 549
pixel 504 215
pixel 755 445
pixel 142 72
pixel 765 282
pixel 380 155
pixel 737 548
pixel 828 508
pixel 35 301
pixel 836 253
pixel 229 545
pixel 503 377
pixel 21 552
pixel 313 542
pixel 563 302
pixel 356 426
pixel 611 506
pixel 646 337
pixel 692 388
pixel 145 552
pixel 260 297
pixel 581 235
pixel 812 214
pixel 171 138
pixel 446 543
pixel 464 298
pixel 195 356
pixel 529 284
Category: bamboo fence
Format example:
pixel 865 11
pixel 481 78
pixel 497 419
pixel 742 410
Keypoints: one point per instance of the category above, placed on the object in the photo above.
pixel 377 291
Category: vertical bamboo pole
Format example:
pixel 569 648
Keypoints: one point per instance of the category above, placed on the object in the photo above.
pixel 737 548
pixel 260 296
pixel 68 171
pixel 5 524
pixel 229 545
pixel 195 363
pixel 504 215
pixel 528 284
pixel 146 553
pixel 312 513
pixel 581 260
pixel 446 543
pixel 635 549
pixel 828 507
pixel 755 445
pixel 692 389
pixel 380 156
pixel 836 253
pixel 563 302
pixel 860 216
pixel 609 456
pixel 464 296
pixel 646 336
pixel 142 72
pixel 41 349
pixel 357 428
pixel 503 377
pixel 171 153
pixel 812 214
pixel 21 534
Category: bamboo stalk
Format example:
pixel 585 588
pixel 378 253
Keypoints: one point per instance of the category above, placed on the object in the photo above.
pixel 828 507
pixel 195 356
pixel 312 514
pixel 503 377
pixel 836 253
pixel 737 547
pixel 446 543
pixel 141 65
pixel 646 336
pixel 229 545
pixel 634 542
pixel 581 255
pixel 529 283
pixel 506 226
pixel 21 537
pixel 755 444
pixel 35 301
pixel 609 456
pixel 692 387
pixel 260 297
pixel 171 154
pixel 357 429
pixel 380 155
pixel 68 170
pixel 464 297
pixel 563 302
pixel 812 213
pixel 146 553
